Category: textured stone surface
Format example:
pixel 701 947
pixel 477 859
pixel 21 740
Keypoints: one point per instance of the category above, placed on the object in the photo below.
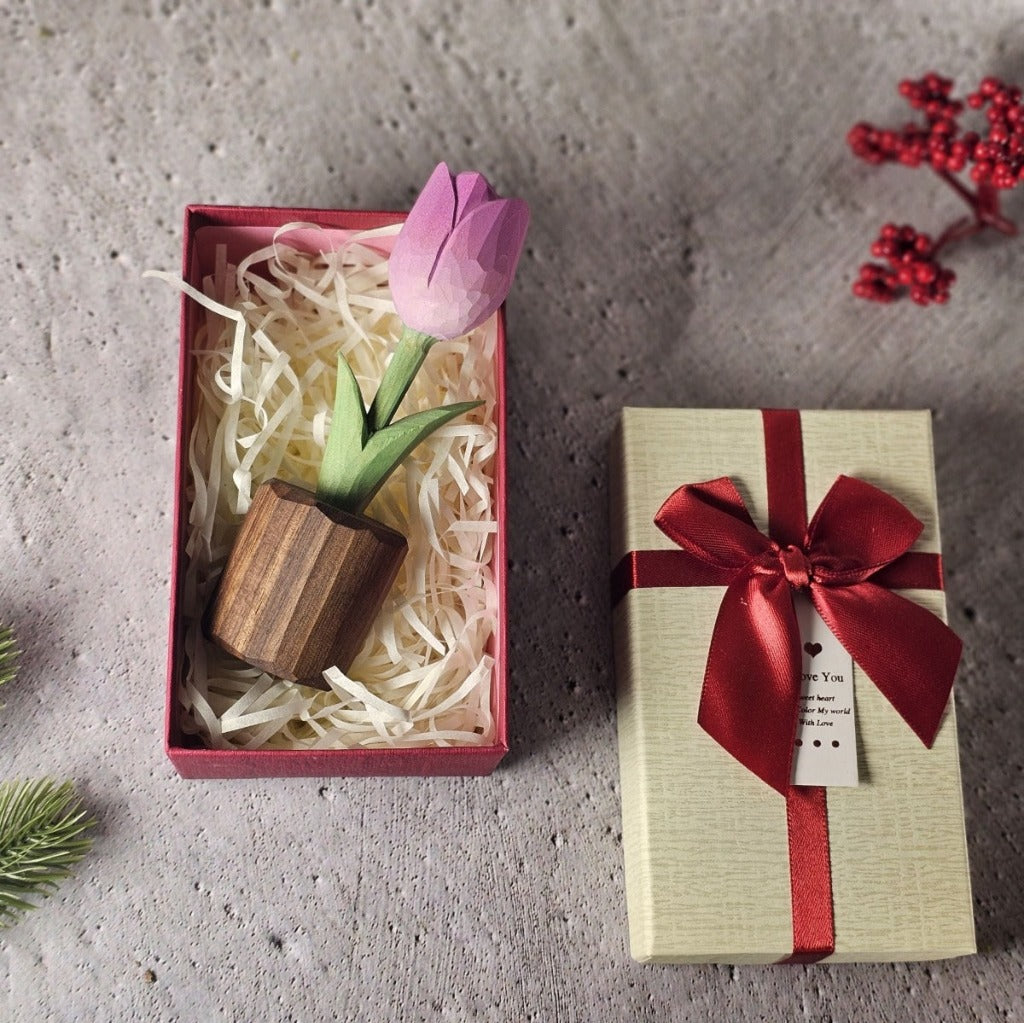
pixel 697 221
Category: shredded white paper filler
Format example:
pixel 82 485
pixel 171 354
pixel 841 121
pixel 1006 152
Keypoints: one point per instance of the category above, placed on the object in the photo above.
pixel 265 369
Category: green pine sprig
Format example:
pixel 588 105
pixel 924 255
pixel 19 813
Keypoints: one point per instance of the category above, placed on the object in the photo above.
pixel 9 654
pixel 42 826
pixel 42 834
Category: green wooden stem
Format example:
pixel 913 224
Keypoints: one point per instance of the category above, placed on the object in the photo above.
pixel 398 377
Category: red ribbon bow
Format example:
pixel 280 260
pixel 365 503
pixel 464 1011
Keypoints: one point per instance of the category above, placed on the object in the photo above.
pixel 750 700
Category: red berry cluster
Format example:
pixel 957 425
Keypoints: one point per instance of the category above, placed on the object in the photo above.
pixel 931 95
pixel 912 267
pixel 999 158
pixel 997 162
pixel 937 143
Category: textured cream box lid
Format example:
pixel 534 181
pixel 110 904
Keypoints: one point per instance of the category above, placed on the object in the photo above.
pixel 705 841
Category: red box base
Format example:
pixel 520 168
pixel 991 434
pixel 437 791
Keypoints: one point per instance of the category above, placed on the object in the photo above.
pixel 243 228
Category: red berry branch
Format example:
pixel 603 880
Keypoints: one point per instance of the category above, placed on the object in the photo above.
pixel 996 161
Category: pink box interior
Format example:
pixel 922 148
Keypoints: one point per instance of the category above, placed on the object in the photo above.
pixel 243 229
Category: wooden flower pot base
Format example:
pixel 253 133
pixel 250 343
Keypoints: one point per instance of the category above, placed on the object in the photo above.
pixel 303 584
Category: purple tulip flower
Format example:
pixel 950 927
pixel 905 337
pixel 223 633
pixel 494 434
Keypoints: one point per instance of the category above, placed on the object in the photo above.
pixel 454 260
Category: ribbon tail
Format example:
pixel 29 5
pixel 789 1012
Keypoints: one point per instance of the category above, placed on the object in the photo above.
pixel 750 699
pixel 909 653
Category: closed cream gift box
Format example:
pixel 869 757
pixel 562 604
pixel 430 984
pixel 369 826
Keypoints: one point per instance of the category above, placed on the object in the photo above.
pixel 713 873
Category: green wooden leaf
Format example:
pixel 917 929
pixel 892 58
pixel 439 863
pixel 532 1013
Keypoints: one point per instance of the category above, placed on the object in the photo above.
pixel 364 448
pixel 383 453
pixel 348 436
pixel 386 448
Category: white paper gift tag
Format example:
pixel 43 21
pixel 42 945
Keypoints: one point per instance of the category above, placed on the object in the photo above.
pixel 826 735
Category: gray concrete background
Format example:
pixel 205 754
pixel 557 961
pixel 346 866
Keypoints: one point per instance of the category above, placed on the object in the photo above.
pixel 697 222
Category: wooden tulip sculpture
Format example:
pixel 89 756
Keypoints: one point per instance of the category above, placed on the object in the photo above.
pixel 308 572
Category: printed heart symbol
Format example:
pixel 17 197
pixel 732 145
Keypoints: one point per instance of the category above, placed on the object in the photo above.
pixel 813 648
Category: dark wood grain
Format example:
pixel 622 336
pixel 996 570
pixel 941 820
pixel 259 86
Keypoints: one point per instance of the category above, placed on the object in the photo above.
pixel 303 584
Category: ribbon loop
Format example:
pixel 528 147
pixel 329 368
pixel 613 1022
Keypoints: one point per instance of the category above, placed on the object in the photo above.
pixel 857 530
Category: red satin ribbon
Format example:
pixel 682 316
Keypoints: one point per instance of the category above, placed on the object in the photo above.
pixel 810 856
pixel 855 547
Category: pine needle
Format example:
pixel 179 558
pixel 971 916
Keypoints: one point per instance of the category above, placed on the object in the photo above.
pixel 9 654
pixel 42 833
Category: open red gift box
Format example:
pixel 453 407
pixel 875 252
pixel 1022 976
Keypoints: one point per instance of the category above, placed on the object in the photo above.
pixel 243 229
